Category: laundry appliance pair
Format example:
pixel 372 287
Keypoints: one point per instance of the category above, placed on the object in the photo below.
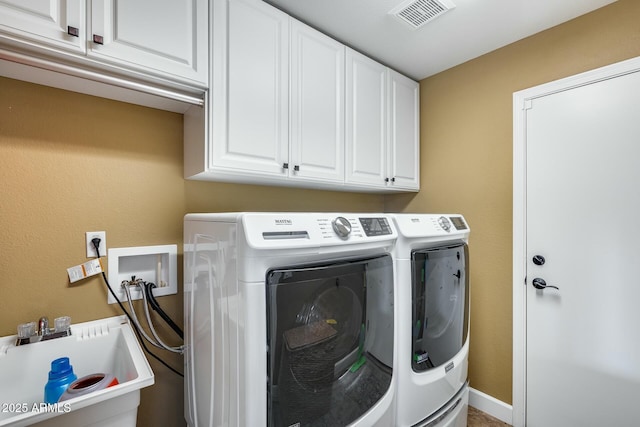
pixel 311 319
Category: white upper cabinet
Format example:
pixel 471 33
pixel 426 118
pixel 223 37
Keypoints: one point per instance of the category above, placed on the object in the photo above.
pixel 291 106
pixel 277 100
pixel 250 89
pixel 366 124
pixel 148 47
pixel 404 132
pixel 58 23
pixel 158 36
pixel 382 126
pixel 317 105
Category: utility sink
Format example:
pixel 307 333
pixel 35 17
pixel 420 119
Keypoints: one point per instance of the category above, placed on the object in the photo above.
pixel 107 346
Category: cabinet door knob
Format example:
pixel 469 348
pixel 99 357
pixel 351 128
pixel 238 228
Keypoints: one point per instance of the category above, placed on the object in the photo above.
pixel 393 179
pixel 386 180
pixel 285 166
pixel 73 31
pixel 98 39
pixel 296 168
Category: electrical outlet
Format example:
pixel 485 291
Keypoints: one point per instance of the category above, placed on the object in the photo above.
pixel 91 250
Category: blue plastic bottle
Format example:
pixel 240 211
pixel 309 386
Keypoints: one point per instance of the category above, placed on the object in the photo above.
pixel 60 377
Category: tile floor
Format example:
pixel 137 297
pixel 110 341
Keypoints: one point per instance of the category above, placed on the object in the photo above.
pixel 477 418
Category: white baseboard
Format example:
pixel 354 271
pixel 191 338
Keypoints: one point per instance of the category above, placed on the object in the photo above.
pixel 490 405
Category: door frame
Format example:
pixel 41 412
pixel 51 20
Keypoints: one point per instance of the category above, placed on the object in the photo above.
pixel 521 102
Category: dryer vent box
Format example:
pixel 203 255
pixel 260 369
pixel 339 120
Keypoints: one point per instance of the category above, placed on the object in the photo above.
pixel 417 13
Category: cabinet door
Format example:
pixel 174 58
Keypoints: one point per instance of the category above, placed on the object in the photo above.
pixel 156 36
pixel 250 95
pixel 317 105
pixel 58 23
pixel 366 119
pixel 404 132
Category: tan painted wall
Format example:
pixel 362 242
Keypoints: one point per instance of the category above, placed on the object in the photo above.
pixel 71 163
pixel 466 158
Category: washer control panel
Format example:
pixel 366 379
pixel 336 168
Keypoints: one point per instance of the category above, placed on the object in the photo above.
pixel 430 225
pixel 458 223
pixel 280 230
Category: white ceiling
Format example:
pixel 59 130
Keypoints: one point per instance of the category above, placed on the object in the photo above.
pixel 471 29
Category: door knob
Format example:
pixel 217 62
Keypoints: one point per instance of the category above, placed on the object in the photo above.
pixel 539 283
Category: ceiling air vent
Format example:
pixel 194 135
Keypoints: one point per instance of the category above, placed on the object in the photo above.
pixel 416 13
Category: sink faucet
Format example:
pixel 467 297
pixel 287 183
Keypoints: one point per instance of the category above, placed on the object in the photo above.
pixel 43 326
pixel 30 332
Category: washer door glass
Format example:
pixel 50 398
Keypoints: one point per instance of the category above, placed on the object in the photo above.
pixel 330 341
pixel 440 305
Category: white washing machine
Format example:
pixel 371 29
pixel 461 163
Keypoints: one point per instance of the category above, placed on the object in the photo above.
pixel 432 294
pixel 289 319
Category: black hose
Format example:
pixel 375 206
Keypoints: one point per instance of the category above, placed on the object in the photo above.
pixel 156 307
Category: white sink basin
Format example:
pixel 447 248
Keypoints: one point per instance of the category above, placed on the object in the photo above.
pixel 106 346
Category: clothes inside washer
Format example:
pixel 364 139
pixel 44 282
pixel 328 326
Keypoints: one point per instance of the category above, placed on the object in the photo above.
pixel 308 335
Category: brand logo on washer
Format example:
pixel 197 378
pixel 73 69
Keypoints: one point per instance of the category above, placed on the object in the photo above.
pixel 283 222
pixel 415 219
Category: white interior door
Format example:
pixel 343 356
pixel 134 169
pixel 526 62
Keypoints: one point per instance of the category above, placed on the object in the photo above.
pixel 583 217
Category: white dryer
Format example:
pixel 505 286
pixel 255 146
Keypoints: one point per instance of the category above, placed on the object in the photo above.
pixel 289 319
pixel 432 294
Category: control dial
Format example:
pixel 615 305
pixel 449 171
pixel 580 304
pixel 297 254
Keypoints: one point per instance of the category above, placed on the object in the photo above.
pixel 444 223
pixel 341 226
